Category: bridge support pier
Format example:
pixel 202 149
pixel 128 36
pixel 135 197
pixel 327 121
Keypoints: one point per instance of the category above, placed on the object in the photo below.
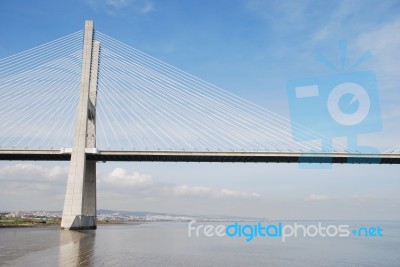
pixel 80 199
pixel 80 202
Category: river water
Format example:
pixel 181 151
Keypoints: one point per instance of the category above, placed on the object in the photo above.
pixel 168 244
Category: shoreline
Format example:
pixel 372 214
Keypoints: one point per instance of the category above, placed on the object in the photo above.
pixel 51 223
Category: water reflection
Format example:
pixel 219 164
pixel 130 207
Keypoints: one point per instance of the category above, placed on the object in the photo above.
pixel 77 248
pixel 168 244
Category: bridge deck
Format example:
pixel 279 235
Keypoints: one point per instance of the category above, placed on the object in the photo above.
pixel 203 156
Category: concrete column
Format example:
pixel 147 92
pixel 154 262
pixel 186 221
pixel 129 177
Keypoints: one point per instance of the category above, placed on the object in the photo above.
pixel 91 130
pixel 89 196
pixel 80 199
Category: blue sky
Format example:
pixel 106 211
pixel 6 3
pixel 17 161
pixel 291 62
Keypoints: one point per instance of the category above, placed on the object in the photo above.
pixel 250 48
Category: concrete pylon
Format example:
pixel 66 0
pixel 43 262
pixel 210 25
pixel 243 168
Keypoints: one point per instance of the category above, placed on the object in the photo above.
pixel 80 199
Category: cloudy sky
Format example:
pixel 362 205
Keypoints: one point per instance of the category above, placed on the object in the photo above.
pixel 251 48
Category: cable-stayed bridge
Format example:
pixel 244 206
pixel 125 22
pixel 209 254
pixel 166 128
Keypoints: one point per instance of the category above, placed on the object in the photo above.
pixel 133 107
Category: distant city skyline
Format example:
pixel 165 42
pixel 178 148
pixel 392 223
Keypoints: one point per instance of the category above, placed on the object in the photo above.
pixel 250 48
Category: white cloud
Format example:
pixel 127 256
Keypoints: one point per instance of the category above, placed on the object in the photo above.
pixel 184 190
pixel 292 12
pixel 118 3
pixel 146 7
pixel 237 194
pixel 314 197
pixel 344 10
pixel 384 43
pixel 121 178
pixel 118 7
pixel 30 186
pixel 32 173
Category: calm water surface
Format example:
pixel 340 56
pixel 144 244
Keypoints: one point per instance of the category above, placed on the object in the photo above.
pixel 168 244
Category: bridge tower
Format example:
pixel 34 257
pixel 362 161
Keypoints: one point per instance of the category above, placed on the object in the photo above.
pixel 80 199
